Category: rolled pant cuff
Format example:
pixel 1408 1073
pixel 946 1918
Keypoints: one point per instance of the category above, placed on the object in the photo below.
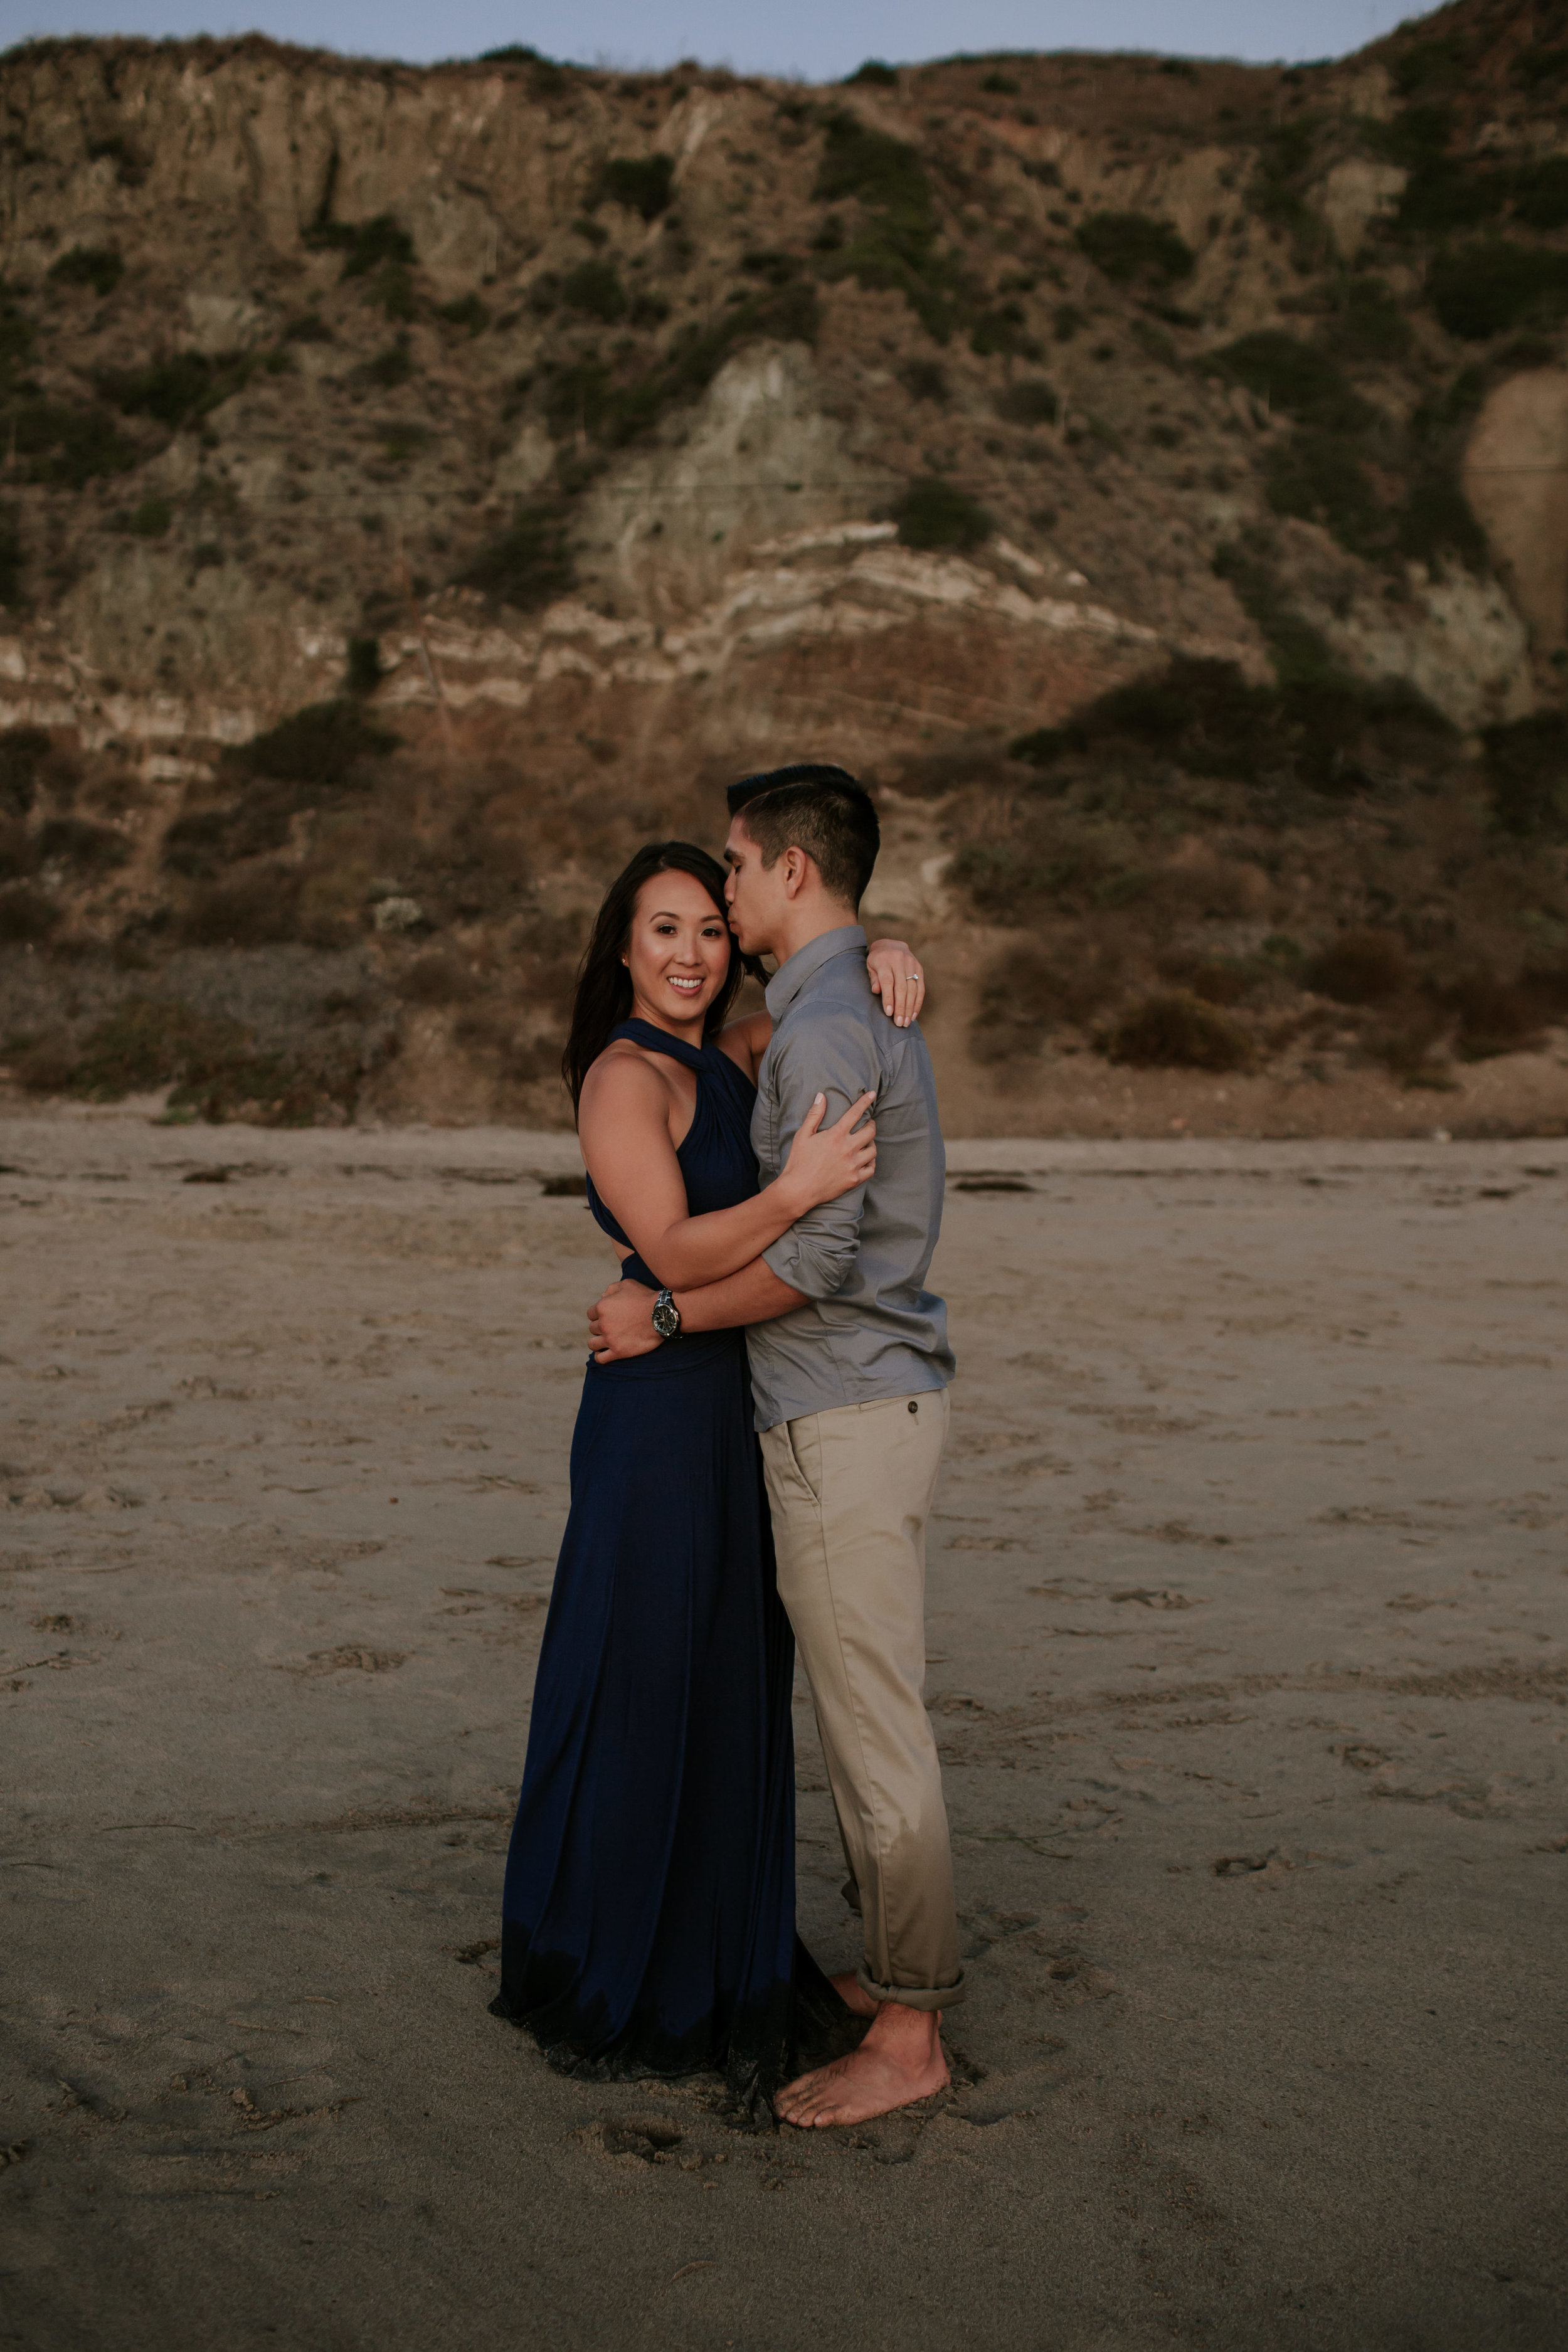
pixel 912 1996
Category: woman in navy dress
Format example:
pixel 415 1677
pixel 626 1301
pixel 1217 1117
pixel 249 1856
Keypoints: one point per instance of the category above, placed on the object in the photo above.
pixel 649 1912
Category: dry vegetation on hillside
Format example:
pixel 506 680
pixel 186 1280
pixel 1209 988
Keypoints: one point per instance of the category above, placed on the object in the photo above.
pixel 1257 764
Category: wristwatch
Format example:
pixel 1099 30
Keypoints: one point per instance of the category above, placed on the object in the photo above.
pixel 666 1316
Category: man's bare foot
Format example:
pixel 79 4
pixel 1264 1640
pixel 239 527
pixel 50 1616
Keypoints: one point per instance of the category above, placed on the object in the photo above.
pixel 854 1995
pixel 898 2061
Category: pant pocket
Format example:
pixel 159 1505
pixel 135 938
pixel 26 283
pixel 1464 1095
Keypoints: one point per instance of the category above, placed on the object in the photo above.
pixel 803 1446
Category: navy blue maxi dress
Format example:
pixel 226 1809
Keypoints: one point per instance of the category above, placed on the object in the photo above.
pixel 648 1913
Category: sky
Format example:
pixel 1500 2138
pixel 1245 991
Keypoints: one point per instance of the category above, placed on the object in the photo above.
pixel 818 40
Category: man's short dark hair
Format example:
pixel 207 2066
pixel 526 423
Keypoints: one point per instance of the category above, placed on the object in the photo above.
pixel 818 808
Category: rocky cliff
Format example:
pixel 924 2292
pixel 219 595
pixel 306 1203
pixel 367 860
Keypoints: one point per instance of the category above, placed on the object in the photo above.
pixel 418 485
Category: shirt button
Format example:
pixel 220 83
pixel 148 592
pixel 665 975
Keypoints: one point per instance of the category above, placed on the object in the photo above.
pixel 914 1406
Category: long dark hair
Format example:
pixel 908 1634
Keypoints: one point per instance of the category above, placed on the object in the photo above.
pixel 604 997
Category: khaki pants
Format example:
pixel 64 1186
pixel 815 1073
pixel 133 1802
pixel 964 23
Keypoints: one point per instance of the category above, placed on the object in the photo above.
pixel 851 1490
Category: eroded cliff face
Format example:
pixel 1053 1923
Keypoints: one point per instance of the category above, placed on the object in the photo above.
pixel 611 434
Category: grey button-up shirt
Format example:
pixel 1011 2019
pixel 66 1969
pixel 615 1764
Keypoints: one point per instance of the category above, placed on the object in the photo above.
pixel 871 1327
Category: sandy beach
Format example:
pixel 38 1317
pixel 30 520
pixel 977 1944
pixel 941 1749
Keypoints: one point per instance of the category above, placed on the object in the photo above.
pixel 1248 1656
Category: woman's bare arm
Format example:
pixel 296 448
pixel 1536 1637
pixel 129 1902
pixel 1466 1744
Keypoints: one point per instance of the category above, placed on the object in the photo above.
pixel 624 1128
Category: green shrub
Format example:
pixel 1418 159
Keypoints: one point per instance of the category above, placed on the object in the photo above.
pixel 896 246
pixel 1177 1030
pixel 1360 967
pixel 1297 379
pixel 527 565
pixel 18 856
pixel 16 341
pixel 1003 330
pixel 1540 192
pixel 64 445
pixel 98 265
pixel 1436 524
pixel 1440 64
pixel 26 917
pixel 1052 862
pixel 317 745
pixel 130 162
pixel 595 289
pixel 1489 287
pixel 585 397
pixel 23 750
pixel 776 267
pixel 1201 714
pixel 148 1042
pixel 369 244
pixel 1418 136
pixel 176 392
pixel 202 840
pixel 1026 993
pixel 309 327
pixel 1301 656
pixel 258 908
pixel 1128 247
pixel 875 73
pixel 389 368
pixel 402 440
pixel 1495 1016
pixel 1366 325
pixel 643 183
pixel 468 311
pixel 363 672
pixel 89 848
pixel 211 1065
pixel 789 315
pixel 936 513
pixel 391 292
pixel 1278 190
pixel 1001 85
pixel 151 519
pixel 1534 69
pixel 613 407
pixel 1527 775
pixel 648 309
pixel 925 380
pixel 546 78
pixel 1030 402
pixel 1443 195
pixel 1317 729
pixel 1321 477
pixel 1217 981
pixel 10 558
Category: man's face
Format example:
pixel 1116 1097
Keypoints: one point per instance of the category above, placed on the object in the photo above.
pixel 755 894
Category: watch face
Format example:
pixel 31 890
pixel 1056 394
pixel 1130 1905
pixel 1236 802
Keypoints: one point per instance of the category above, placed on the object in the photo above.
pixel 667 1319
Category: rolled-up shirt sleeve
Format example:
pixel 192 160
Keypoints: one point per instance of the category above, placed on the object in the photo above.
pixel 833 1057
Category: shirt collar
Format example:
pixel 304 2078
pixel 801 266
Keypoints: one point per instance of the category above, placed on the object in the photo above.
pixel 807 961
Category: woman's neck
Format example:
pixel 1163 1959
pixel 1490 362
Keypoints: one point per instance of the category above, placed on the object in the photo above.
pixel 688 1032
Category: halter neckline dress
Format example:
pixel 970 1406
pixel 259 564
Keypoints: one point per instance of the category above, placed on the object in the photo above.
pixel 648 1911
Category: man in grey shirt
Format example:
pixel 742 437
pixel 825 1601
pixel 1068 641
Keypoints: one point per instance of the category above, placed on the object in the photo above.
pixel 870 1329
pixel 849 1372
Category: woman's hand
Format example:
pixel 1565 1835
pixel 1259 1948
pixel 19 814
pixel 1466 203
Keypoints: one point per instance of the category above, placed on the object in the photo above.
pixel 825 1161
pixel 898 977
